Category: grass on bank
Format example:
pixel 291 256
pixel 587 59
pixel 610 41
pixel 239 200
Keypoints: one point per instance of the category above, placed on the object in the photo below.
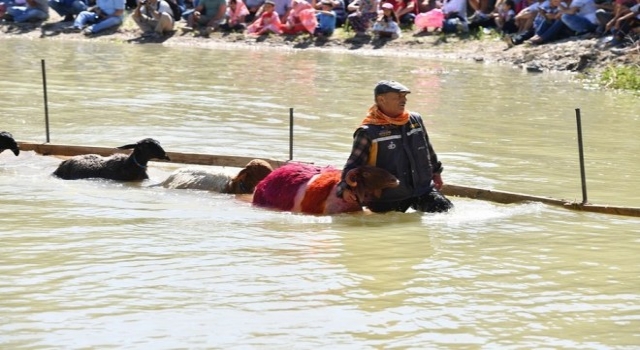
pixel 621 77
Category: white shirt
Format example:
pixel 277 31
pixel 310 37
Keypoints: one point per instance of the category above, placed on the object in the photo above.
pixel 587 9
pixel 162 7
pixel 459 6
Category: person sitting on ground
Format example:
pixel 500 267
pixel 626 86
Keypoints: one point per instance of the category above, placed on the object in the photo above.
pixel 607 19
pixel 580 17
pixel 395 139
pixel 505 18
pixel 268 22
pixel 524 19
pixel 104 15
pixel 364 11
pixel 237 12
pixel 386 26
pixel 33 11
pixel 481 10
pixel 253 6
pixel 327 19
pixel 406 11
pixel 208 15
pixel 455 16
pixel 552 28
pixel 301 18
pixel 281 7
pixel 154 16
pixel 627 28
pixel 338 8
pixel 68 9
pixel 530 31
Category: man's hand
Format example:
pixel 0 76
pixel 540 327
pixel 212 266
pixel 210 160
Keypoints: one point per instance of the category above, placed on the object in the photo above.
pixel 437 181
pixel 348 196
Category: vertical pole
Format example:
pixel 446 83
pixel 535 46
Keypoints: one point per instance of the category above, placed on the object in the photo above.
pixel 581 153
pixel 291 133
pixel 46 105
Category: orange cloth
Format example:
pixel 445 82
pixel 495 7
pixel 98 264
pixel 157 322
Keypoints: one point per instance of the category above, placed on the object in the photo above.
pixel 376 117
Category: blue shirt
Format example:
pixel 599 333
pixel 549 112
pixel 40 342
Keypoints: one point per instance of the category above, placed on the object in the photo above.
pixel 326 22
pixel 109 7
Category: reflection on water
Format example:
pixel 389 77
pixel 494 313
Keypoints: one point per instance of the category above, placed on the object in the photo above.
pixel 97 264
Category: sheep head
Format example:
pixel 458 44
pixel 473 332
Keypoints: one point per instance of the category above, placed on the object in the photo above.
pixel 249 176
pixel 147 149
pixel 369 181
pixel 7 142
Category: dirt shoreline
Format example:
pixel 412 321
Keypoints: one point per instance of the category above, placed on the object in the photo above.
pixel 587 56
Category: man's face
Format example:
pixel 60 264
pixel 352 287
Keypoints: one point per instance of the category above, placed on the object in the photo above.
pixel 392 103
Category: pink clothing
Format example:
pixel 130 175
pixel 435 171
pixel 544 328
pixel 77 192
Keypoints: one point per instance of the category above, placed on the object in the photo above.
pixel 268 21
pixel 431 19
pixel 297 7
pixel 235 16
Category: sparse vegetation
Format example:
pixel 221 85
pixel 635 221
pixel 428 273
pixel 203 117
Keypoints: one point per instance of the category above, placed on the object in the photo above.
pixel 622 77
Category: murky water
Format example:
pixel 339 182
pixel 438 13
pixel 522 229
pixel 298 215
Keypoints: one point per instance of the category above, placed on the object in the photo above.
pixel 96 264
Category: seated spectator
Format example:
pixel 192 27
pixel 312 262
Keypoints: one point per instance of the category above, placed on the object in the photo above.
pixel 208 15
pixel 327 19
pixel 524 19
pixel 340 10
pixel 301 18
pixel 253 6
pixel 627 28
pixel 32 11
pixel 607 14
pixel 430 19
pixel 106 14
pixel 481 10
pixel 237 12
pixel 552 28
pixel 580 17
pixel 268 22
pixel 364 11
pixel 281 7
pixel 68 9
pixel 505 18
pixel 154 16
pixel 455 16
pixel 406 11
pixel 386 26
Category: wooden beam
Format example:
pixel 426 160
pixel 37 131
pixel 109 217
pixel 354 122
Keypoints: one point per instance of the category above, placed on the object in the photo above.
pixel 176 157
pixel 510 197
pixel 239 162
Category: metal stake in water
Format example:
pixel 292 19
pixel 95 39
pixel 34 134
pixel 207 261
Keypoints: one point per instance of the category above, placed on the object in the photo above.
pixel 583 177
pixel 46 105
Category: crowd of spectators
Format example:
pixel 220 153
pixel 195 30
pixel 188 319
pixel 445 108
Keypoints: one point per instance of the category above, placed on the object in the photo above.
pixel 532 22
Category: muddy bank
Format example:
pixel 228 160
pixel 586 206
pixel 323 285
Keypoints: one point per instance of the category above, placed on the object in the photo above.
pixel 588 56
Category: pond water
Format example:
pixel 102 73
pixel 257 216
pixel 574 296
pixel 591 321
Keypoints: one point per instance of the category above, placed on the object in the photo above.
pixel 94 264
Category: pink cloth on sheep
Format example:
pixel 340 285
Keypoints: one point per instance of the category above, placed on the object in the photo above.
pixel 279 189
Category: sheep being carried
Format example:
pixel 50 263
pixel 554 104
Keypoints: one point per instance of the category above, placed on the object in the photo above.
pixel 120 167
pixel 311 189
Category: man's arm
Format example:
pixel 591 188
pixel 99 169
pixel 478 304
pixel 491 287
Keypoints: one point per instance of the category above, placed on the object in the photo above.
pixel 359 156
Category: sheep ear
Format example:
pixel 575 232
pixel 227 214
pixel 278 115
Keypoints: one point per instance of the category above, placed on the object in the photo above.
pixel 129 146
pixel 352 177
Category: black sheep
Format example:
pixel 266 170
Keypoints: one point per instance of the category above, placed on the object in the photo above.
pixel 7 142
pixel 121 167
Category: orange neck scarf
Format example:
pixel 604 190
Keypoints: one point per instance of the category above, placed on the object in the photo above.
pixel 376 117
